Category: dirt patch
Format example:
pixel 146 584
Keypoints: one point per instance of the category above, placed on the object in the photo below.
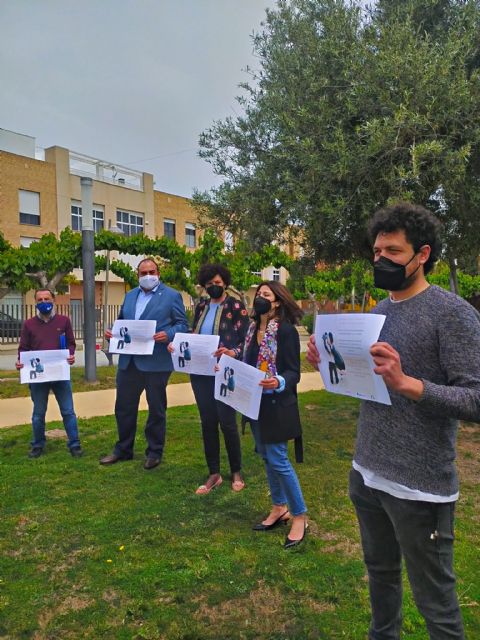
pixel 112 597
pixel 55 434
pixel 263 606
pixel 340 544
pixel 23 525
pixel 71 603
pixel 74 603
pixel 319 607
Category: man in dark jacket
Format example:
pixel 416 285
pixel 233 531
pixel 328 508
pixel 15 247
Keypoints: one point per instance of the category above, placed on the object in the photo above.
pixel 151 300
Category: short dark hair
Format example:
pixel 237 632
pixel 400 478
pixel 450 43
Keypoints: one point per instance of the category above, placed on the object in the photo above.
pixel 288 310
pixel 421 227
pixel 209 271
pixel 148 260
pixel 43 289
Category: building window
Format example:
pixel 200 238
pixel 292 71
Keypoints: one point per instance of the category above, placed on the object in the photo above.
pixel 26 242
pixel 98 217
pixel 276 275
pixel 130 223
pixel 29 207
pixel 190 235
pixel 169 228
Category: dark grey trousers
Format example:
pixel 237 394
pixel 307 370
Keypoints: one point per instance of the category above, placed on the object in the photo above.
pixel 131 382
pixel 421 533
pixel 214 413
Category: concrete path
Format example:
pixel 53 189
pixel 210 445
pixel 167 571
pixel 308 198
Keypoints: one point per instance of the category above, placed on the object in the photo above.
pixel 88 404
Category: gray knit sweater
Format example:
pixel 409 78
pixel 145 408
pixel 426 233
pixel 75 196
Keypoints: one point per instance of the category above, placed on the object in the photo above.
pixel 437 335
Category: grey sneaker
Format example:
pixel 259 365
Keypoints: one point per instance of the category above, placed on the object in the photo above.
pixel 35 452
pixel 76 452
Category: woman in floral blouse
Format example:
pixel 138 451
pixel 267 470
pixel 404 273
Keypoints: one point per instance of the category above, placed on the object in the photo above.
pixel 225 316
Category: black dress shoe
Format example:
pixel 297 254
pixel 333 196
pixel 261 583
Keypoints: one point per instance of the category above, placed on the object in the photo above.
pixel 76 452
pixel 289 544
pixel 267 527
pixel 36 452
pixel 112 459
pixel 151 463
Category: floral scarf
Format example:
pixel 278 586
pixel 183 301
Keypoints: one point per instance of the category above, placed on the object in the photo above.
pixel 267 353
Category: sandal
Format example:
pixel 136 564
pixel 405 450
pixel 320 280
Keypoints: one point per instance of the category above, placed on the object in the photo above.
pixel 238 485
pixel 203 489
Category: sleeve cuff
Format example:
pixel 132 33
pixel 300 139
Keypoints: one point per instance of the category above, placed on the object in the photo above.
pixel 281 384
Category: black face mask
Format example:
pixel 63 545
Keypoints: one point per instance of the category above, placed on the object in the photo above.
pixel 390 275
pixel 215 291
pixel 261 305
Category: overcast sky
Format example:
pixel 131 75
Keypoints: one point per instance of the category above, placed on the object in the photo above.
pixel 129 81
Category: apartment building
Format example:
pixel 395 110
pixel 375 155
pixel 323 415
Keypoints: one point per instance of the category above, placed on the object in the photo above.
pixel 40 193
pixel 43 195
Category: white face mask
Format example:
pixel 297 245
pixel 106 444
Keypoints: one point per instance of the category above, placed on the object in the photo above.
pixel 148 282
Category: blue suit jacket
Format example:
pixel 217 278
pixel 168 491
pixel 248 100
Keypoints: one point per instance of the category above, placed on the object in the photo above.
pixel 166 307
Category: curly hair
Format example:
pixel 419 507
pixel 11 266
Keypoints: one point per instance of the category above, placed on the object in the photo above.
pixel 209 271
pixel 288 311
pixel 420 225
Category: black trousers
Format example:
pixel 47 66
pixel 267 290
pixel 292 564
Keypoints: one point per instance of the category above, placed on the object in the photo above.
pixel 131 382
pixel 421 533
pixel 212 413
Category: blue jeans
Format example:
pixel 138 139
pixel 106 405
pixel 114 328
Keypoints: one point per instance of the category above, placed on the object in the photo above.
pixel 63 393
pixel 422 534
pixel 281 476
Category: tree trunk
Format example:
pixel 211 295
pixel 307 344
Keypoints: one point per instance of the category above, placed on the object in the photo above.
pixel 453 275
pixel 364 301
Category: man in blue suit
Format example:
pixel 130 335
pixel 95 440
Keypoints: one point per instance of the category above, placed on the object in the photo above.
pixel 151 300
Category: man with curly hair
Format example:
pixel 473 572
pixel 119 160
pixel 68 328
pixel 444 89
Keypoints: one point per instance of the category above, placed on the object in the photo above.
pixel 404 483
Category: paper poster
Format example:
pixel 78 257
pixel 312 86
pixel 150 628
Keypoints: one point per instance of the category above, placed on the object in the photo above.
pixel 193 353
pixel 238 385
pixel 44 366
pixel 133 337
pixel 346 366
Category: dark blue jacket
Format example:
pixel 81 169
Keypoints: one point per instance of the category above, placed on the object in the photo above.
pixel 167 308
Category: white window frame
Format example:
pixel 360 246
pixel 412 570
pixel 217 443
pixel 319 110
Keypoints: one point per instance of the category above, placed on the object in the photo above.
pixel 29 207
pixel 98 216
pixel 170 221
pixel 130 222
pixel 189 227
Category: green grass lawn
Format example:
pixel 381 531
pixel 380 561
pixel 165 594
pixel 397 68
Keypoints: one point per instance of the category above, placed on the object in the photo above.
pixel 10 386
pixel 122 553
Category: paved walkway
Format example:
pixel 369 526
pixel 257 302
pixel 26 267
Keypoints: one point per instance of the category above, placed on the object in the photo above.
pixel 88 404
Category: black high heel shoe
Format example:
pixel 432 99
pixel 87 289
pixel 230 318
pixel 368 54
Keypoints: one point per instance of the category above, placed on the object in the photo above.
pixel 267 527
pixel 289 544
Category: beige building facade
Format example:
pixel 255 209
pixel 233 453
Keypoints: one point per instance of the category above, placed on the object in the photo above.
pixel 39 196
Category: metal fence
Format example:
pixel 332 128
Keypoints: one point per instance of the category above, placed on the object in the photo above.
pixel 13 315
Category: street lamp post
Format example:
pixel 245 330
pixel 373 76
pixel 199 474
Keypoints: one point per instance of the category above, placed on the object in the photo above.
pixel 88 265
pixel 105 322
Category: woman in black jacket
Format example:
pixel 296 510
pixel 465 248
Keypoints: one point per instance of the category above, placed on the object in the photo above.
pixel 227 317
pixel 272 345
